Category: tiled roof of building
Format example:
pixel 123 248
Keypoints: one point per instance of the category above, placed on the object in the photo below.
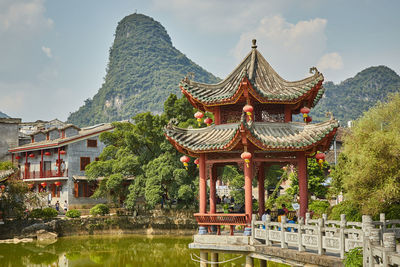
pixel 270 135
pixel 267 84
pixel 83 133
pixel 4 174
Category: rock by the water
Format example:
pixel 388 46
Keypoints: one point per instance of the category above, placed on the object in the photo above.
pixel 43 235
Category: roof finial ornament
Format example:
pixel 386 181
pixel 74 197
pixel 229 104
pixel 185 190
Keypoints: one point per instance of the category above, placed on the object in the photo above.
pixel 189 76
pixel 254 41
pixel 314 70
pixel 329 114
pixel 171 123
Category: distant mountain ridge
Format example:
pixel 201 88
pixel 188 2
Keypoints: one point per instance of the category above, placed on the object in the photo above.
pixel 144 68
pixel 3 115
pixel 350 98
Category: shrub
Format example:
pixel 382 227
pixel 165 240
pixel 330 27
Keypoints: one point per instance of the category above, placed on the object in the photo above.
pixel 319 207
pixel 73 214
pixel 36 213
pixel 100 209
pixel 45 213
pixel 49 213
pixel 354 258
pixel 346 207
pixel 393 212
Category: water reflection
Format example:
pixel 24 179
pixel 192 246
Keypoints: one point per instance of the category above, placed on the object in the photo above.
pixel 106 251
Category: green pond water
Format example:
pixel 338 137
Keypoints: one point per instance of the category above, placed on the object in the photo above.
pixel 109 251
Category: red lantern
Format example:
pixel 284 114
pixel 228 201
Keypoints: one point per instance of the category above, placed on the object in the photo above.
pixel 308 119
pixel 320 158
pixel 185 160
pixel 208 121
pixel 246 156
pixel 31 155
pixel 63 152
pixel 31 186
pixel 3 187
pixel 44 184
pixel 57 183
pixel 248 109
pixel 198 115
pixel 305 112
pixel 197 162
pixel 17 157
pixel 47 153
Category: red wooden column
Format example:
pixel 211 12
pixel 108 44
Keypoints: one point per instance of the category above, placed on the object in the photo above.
pixel 59 164
pixel 41 164
pixel 303 185
pixel 213 192
pixel 248 189
pixel 261 190
pixel 203 184
pixel 26 166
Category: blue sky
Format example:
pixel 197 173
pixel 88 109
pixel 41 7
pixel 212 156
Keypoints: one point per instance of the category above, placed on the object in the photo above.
pixel 53 53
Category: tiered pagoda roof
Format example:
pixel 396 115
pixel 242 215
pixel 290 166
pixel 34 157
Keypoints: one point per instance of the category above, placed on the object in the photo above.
pixel 268 136
pixel 254 82
pixel 266 86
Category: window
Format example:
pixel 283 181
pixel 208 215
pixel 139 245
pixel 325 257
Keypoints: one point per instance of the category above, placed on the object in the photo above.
pixel 91 143
pixel 84 161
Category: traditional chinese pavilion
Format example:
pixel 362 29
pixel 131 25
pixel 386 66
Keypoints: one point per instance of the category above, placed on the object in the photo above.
pixel 253 128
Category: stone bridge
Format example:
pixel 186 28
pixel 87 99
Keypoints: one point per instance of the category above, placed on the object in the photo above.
pixel 310 242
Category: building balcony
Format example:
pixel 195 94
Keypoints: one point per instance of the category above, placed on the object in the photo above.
pixel 44 174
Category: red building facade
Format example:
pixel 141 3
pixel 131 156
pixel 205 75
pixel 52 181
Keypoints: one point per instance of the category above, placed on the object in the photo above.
pixel 253 129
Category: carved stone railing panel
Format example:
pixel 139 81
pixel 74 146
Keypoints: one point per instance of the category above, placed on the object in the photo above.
pixel 331 243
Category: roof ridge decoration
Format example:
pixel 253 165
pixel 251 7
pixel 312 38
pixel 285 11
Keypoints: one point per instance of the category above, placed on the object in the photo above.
pixel 266 85
pixel 268 136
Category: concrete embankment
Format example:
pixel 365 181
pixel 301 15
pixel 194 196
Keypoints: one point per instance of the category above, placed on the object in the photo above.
pixel 155 223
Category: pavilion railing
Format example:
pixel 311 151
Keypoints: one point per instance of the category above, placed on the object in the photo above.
pixel 218 219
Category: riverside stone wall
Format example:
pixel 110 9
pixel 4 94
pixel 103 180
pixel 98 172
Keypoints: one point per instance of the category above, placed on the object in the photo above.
pixel 156 223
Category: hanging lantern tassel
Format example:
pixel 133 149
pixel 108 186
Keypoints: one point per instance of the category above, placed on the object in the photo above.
pixel 199 115
pixel 248 109
pixel 320 158
pixel 196 161
pixel 185 160
pixel 305 112
pixel 246 156
pixel 208 121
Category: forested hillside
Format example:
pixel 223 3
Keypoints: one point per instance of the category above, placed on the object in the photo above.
pixel 349 99
pixel 143 69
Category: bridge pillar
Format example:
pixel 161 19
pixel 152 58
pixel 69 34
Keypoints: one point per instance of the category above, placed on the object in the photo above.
pixel 249 262
pixel 203 259
pixel 302 174
pixel 214 258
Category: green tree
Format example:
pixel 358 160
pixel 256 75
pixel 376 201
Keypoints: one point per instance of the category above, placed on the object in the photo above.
pixel 140 152
pixel 370 166
pixel 316 179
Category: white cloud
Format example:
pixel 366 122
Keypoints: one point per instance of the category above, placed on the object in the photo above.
pixel 23 16
pixel 220 16
pixel 290 48
pixel 47 51
pixel 331 61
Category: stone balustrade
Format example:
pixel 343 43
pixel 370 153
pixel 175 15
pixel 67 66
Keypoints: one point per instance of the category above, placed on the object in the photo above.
pixel 377 238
